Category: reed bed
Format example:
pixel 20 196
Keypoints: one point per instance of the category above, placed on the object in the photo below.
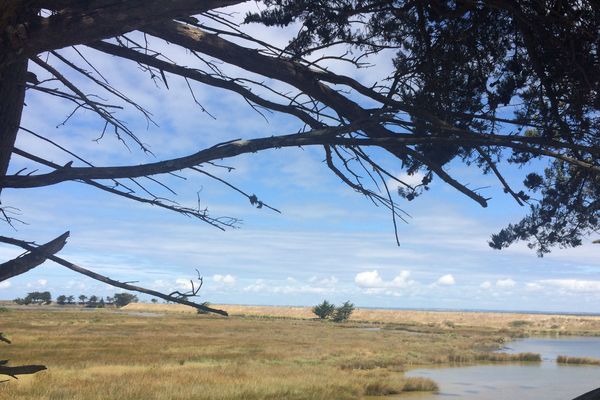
pixel 471 357
pixel 577 360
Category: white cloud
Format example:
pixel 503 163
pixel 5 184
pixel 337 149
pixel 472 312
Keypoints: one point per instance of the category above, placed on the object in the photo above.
pixel 183 283
pixel 486 285
pixel 447 280
pixel 288 289
pixel 329 281
pixel 505 283
pixel 412 180
pixel 402 281
pixel 533 286
pixel 368 279
pixel 258 286
pixel 226 279
pixel 5 284
pixel 372 280
pixel 40 283
pixel 572 285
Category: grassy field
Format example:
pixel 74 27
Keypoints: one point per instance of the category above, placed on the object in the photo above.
pixel 125 355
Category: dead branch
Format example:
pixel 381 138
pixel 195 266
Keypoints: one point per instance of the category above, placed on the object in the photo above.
pixel 34 257
pixel 4 339
pixel 27 246
pixel 20 370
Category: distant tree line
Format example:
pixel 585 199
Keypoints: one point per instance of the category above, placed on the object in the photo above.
pixel 93 301
pixel 327 310
pixel 35 298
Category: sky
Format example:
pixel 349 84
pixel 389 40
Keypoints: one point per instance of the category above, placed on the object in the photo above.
pixel 328 242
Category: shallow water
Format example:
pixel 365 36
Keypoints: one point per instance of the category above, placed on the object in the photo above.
pixel 522 381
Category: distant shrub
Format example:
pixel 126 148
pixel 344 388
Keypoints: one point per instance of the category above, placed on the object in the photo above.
pixel 343 312
pixel 324 310
pixel 4 309
pixel 122 299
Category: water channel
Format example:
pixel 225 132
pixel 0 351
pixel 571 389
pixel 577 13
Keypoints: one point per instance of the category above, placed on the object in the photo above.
pixel 521 381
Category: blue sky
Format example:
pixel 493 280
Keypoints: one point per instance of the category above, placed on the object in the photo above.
pixel 328 243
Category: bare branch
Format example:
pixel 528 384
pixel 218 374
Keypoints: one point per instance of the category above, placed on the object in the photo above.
pixel 494 168
pixel 20 370
pixel 35 257
pixel 27 246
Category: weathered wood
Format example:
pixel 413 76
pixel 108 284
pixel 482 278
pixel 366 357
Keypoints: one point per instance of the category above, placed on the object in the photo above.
pixel 12 96
pixel 35 257
pixel 21 370
pixel 109 281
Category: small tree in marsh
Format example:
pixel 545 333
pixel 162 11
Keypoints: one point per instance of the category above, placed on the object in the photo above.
pixel 343 312
pixel 324 310
pixel 122 299
pixel 61 300
pixel 92 301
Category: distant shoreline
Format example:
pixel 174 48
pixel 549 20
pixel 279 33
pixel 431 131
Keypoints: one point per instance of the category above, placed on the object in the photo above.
pixel 415 309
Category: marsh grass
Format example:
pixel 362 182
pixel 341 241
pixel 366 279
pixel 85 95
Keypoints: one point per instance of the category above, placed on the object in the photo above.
pixel 470 357
pixel 417 384
pixel 102 354
pixel 108 354
pixel 577 360
pixel 504 357
pixel 515 324
pixel 368 363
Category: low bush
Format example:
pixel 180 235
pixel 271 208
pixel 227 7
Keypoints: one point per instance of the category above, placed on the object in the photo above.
pixel 343 312
pixel 324 310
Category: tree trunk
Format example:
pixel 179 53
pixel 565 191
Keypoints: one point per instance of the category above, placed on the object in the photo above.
pixel 12 96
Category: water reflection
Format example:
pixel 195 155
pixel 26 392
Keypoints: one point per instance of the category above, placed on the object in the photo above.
pixel 546 380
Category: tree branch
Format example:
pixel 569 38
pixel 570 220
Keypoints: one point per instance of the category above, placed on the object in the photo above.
pixel 326 136
pixel 20 370
pixel 99 20
pixel 108 280
pixel 35 257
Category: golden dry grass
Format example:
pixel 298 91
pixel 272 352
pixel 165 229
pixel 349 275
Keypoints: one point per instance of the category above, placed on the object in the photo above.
pixel 102 354
pixel 531 323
